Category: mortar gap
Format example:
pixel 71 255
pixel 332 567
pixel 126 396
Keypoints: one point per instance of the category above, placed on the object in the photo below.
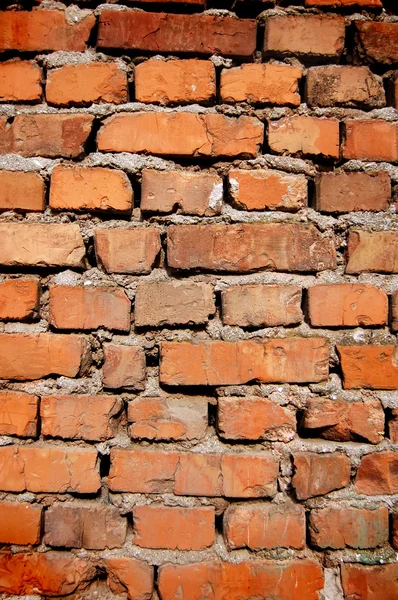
pixel 92 40
pixel 212 414
pixel 260 37
pixel 91 143
pixel 311 194
pixel 105 465
pixel 218 523
pixel 387 419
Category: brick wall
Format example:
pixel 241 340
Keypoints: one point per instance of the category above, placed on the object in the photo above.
pixel 199 300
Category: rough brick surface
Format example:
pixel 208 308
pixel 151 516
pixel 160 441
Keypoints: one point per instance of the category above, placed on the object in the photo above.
pixel 340 192
pixel 127 250
pixel 377 474
pixel 19 299
pixel 130 574
pixel 305 135
pixel 19 523
pixel 18 414
pixel 372 251
pixel 20 81
pixel 378 41
pixel 371 140
pixel 319 474
pixel 124 367
pixel 369 583
pixel 21 191
pixel 373 367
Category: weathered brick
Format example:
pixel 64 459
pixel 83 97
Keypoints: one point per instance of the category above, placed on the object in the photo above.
pixel 372 251
pixel 79 417
pixel 199 474
pixel 264 526
pixel 344 3
pixel 20 81
pixel 290 360
pixel 173 303
pixel 50 135
pixel 394 91
pixel 394 542
pixel 254 419
pixel 192 193
pixel 308 36
pixel 18 414
pixel 257 305
pixel 347 305
pixel 261 83
pixel 377 474
pixel 181 134
pixel 21 191
pixel 180 81
pixel 43 30
pixel 82 307
pixel 92 527
pixel 249 247
pixel 127 250
pixel 160 32
pixel 343 421
pixel 353 527
pixel 19 299
pixel 267 190
pixel 342 192
pixel 24 356
pixel 369 583
pixel 305 135
pixel 142 471
pixel 371 139
pixel 173 528
pixel 319 474
pixel 394 311
pixel 49 469
pixel 92 189
pixel 19 523
pixel 193 2
pixel 130 574
pixel 378 42
pixel 373 367
pixel 168 418
pixel 99 82
pixel 393 426
pixel 124 367
pixel 334 85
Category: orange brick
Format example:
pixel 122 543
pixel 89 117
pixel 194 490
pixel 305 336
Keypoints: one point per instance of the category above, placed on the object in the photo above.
pixel 20 81
pixel 264 526
pixel 372 251
pixel 86 84
pixel 373 367
pixel 79 417
pixel 18 414
pixel 294 360
pixel 21 191
pixel 181 134
pixel 19 299
pixel 393 426
pixel 369 583
pixel 173 528
pixel 342 192
pixel 19 523
pixel 394 311
pixel 377 474
pixel 199 474
pixel 378 41
pixel 124 367
pixel 85 188
pixel 371 139
pixel 395 91
pixel 261 83
pixel 249 475
pixel 319 474
pixel 305 135
pixel 142 471
pixel 394 531
pixel 170 81
pixel 130 574
pixel 127 250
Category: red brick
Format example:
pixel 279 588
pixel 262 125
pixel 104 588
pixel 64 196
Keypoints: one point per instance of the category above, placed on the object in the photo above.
pixel 393 427
pixel 180 81
pixel 305 135
pixel 372 367
pixel 192 193
pixel 369 583
pixel 41 245
pixel 261 83
pixel 127 250
pixel 394 311
pixel 162 303
pixel 79 417
pixel 249 247
pixel 395 530
pixel 261 305
pixel 353 527
pixel 49 573
pixel 371 139
pixel 83 307
pixel 378 42
pixel 92 527
pixel 72 85
pixel 304 35
pixel 264 526
pixel 50 135
pixel 294 580
pixel 199 474
pixel 290 360
pixel 343 421
pixel 345 3
pixel 142 471
pixel 124 367
pixel 173 528
pixel 267 190
pixel 19 523
pixel 18 414
pixel 249 476
pixel 49 469
pixel 24 357
pixel 168 418
pixel 42 30
pixel 394 86
pixel 19 299
pixel 347 305
pixel 342 192
pixel 130 574
pixel 334 85
pixel 377 474
pixel 181 133
pixel 20 81
pixel 372 251
pixel 92 189
pixel 319 474
pixel 160 32
pixel 254 419
pixel 21 191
